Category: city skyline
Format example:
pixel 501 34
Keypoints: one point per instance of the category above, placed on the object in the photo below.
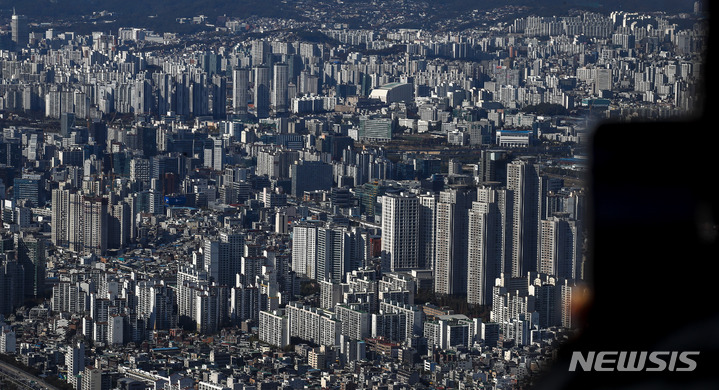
pixel 280 202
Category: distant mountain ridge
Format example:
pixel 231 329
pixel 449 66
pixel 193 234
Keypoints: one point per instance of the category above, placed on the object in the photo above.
pixel 603 5
pixel 128 11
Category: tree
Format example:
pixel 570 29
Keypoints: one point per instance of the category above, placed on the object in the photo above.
pixel 309 287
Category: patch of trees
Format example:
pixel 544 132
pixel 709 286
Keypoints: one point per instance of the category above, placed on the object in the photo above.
pixel 309 287
pixel 546 109
pixel 458 303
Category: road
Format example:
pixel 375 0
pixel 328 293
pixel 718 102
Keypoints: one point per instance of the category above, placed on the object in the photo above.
pixel 23 379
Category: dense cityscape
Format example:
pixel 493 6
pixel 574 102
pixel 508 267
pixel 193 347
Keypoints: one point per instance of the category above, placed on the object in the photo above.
pixel 331 199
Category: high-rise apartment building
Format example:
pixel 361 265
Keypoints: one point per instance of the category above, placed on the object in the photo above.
pixel 493 166
pixel 95 225
pixel 488 242
pixel 60 213
pixel 523 179
pixel 75 361
pixel 75 226
pixel 188 279
pixel 400 231
pixel 222 258
pixel 68 297
pixel 355 321
pixel 262 91
pixel 279 88
pixel 451 240
pixel 333 254
pixel 561 248
pixel 92 379
pixel 210 312
pixel 8 340
pixel 219 96
pixel 304 249
pixel 410 314
pixel 274 328
pixel 261 51
pixel 240 94
pixel 118 230
pixel 427 217
pixel 312 324
pixel 156 303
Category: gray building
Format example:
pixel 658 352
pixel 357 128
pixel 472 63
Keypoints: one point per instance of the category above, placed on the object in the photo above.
pixel 451 240
pixel 310 176
pixel 378 129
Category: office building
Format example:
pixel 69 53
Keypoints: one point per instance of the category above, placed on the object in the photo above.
pixel 19 30
pixel 29 188
pixel 31 256
pixel 375 129
pixel 310 176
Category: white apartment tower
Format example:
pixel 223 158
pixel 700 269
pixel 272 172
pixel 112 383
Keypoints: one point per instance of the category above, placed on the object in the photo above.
pixel 304 249
pixel 75 362
pixel 333 252
pixel 274 328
